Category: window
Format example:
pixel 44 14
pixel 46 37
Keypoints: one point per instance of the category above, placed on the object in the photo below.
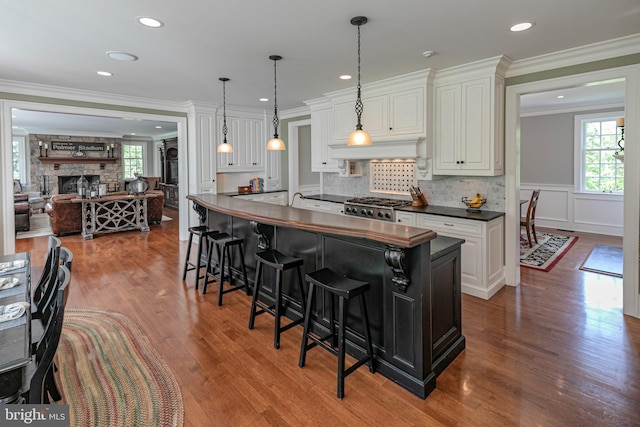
pixel 20 158
pixel 132 160
pixel 596 142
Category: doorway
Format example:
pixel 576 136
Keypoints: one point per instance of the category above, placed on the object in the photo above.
pixel 631 224
pixel 6 106
pixel 301 178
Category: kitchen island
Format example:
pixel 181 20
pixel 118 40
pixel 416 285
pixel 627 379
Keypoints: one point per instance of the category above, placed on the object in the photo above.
pixel 414 301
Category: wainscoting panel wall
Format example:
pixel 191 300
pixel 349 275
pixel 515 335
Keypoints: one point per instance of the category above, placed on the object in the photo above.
pixel 559 206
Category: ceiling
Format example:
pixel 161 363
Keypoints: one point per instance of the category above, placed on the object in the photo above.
pixel 64 44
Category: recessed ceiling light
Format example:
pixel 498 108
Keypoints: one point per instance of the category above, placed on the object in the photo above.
pixel 132 133
pixel 522 26
pixel 345 77
pixel 104 73
pixel 158 127
pixel 122 56
pixel 264 99
pixel 428 53
pixel 150 22
pixel 560 96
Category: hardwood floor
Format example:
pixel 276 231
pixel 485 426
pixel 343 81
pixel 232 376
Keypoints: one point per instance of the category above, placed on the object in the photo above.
pixel 555 351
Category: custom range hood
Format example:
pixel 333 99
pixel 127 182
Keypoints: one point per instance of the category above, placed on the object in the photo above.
pixel 398 149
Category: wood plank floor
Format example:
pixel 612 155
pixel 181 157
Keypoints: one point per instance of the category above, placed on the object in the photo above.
pixel 554 352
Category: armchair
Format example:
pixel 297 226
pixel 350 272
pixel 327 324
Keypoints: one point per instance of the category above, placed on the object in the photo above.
pixel 36 201
pixel 22 212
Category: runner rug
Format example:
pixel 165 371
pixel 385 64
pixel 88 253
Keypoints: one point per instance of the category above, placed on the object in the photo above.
pixel 545 254
pixel 110 375
pixel 604 259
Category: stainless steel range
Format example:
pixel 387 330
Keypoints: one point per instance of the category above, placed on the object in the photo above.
pixel 374 207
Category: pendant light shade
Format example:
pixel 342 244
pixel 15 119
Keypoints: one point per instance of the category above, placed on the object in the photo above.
pixel 359 136
pixel 224 147
pixel 275 143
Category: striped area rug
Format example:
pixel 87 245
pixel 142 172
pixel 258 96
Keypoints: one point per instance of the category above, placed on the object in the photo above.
pixel 110 375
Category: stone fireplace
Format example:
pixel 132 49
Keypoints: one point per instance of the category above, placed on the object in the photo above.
pixel 68 184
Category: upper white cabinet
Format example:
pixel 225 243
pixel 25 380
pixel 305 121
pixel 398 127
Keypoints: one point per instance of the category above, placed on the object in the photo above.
pixel 391 108
pixel 246 134
pixel 322 137
pixel 468 119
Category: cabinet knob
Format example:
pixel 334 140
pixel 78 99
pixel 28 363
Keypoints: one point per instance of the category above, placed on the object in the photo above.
pixel 324 163
pixel 399 220
pixel 390 128
pixel 461 161
pixel 457 162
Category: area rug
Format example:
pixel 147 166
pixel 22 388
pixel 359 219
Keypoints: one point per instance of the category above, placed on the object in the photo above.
pixel 39 226
pixel 547 252
pixel 604 259
pixel 110 375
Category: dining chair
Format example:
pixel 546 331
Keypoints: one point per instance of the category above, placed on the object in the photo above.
pixel 40 383
pixel 48 275
pixel 529 221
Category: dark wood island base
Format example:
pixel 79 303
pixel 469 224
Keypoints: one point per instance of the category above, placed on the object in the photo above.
pixel 414 302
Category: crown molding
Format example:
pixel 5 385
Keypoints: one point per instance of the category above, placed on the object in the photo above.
pixel 295 112
pixel 497 65
pixel 579 55
pixel 102 98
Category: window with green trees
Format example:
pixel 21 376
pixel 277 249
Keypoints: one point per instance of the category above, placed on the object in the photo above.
pixel 132 160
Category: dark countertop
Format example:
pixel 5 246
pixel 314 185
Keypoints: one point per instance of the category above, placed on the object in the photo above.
pixel 442 245
pixel 329 198
pixel 453 212
pixel 235 193
pixel 319 222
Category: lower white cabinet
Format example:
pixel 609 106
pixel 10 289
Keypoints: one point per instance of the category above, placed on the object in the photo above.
pixel 275 198
pixel 319 206
pixel 482 252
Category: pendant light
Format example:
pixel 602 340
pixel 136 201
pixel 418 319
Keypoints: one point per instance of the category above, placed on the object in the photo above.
pixel 275 143
pixel 224 147
pixel 359 136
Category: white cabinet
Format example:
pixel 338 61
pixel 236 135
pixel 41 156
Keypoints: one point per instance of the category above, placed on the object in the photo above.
pixel 321 139
pixel 275 198
pixel 468 120
pixel 482 257
pixel 274 170
pixel 320 206
pixel 247 137
pixel 399 112
pixel 406 218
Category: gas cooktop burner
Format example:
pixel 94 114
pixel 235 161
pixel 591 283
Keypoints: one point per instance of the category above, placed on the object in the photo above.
pixel 373 207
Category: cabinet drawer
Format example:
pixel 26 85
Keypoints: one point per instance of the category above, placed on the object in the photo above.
pixel 318 205
pixel 446 223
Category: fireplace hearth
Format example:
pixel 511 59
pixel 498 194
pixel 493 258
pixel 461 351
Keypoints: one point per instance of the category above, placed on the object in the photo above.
pixel 68 184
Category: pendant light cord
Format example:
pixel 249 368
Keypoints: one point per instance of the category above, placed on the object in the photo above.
pixel 359 106
pixel 224 111
pixel 276 121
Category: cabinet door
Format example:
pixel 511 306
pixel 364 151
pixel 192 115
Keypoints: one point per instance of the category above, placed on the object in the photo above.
pixel 447 129
pixel 407 112
pixel 406 218
pixel 476 124
pixel 253 145
pixel 321 137
pixel 274 170
pixel 229 161
pixel 375 116
pixel 344 119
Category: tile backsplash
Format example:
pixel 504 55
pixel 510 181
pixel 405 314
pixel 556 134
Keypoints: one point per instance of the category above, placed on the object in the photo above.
pixel 446 191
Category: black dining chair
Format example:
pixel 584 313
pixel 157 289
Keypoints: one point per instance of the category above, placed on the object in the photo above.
pixel 40 383
pixel 42 292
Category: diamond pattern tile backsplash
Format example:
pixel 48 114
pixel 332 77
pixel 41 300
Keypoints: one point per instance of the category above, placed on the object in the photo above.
pixel 446 191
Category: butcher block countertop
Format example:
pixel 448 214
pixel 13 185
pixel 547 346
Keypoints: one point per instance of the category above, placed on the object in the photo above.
pixel 318 222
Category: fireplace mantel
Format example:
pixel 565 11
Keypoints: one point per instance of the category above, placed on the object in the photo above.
pixel 57 161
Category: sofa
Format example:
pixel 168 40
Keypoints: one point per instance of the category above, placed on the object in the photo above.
pixel 66 216
pixel 22 209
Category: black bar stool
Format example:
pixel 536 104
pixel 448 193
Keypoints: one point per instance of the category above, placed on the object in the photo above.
pixel 223 243
pixel 344 288
pixel 281 263
pixel 202 231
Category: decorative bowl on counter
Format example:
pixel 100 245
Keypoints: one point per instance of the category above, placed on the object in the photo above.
pixel 474 204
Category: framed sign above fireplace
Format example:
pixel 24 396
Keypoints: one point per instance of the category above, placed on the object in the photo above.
pixel 78 146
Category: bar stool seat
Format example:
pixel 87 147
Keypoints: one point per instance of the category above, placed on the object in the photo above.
pixel 280 262
pixel 223 243
pixel 344 289
pixel 202 231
